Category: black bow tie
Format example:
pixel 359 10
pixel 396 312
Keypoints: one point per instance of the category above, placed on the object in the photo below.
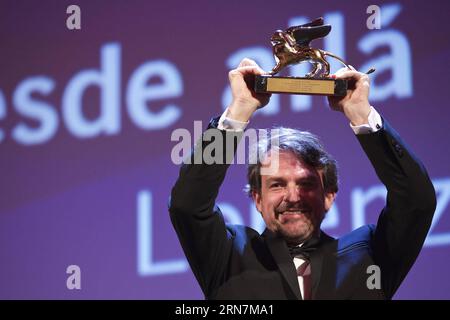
pixel 305 250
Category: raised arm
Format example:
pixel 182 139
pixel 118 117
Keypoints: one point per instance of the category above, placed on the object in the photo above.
pixel 410 204
pixel 411 200
pixel 198 222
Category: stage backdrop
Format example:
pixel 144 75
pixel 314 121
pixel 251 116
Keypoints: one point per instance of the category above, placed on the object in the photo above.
pixel 87 116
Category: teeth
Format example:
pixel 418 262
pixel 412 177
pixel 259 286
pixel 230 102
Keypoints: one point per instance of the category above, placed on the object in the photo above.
pixel 295 212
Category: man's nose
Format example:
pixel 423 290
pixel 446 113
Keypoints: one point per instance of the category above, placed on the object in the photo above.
pixel 292 194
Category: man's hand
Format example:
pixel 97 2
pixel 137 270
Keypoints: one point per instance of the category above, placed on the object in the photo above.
pixel 245 100
pixel 355 105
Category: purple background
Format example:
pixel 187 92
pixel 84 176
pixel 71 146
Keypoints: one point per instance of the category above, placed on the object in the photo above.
pixel 72 200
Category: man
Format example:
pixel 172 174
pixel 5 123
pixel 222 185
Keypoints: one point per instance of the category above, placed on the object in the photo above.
pixel 293 258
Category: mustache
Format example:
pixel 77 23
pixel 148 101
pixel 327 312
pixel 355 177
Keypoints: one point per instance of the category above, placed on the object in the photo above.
pixel 292 207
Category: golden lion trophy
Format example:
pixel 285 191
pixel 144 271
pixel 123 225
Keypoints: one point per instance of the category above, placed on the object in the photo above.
pixel 292 46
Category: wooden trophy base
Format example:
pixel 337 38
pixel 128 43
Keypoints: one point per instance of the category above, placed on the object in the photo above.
pixel 295 85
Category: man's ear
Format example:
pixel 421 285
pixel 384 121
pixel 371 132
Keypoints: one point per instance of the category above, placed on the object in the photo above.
pixel 329 200
pixel 257 199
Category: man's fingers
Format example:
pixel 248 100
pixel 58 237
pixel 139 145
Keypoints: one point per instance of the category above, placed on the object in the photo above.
pixel 251 70
pixel 247 62
pixel 246 67
pixel 349 74
pixel 345 70
pixel 341 70
pixel 250 66
pixel 246 70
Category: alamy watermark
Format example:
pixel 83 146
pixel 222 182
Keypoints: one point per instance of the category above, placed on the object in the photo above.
pixel 218 147
pixel 74 279
pixel 374 20
pixel 374 280
pixel 73 21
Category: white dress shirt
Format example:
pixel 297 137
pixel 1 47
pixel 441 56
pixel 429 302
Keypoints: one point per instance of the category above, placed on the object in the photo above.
pixel 374 124
pixel 298 262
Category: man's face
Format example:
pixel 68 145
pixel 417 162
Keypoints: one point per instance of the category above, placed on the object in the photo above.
pixel 293 201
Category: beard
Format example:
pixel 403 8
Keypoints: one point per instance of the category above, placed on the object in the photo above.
pixel 297 223
pixel 296 231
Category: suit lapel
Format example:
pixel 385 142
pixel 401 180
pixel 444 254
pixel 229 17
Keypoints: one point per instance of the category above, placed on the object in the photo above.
pixel 279 250
pixel 317 264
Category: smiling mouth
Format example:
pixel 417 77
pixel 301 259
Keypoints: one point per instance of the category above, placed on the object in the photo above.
pixel 291 212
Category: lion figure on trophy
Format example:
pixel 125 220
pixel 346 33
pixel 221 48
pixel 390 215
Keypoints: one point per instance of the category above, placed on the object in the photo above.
pixel 292 47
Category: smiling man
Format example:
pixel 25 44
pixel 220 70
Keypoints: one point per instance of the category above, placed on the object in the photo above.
pixel 293 258
pixel 293 202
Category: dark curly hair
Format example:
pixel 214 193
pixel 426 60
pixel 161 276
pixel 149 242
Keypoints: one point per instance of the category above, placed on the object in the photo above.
pixel 305 145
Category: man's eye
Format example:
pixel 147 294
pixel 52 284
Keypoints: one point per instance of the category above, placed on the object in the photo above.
pixel 275 185
pixel 308 184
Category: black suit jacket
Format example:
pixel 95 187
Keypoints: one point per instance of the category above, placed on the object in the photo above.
pixel 236 262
